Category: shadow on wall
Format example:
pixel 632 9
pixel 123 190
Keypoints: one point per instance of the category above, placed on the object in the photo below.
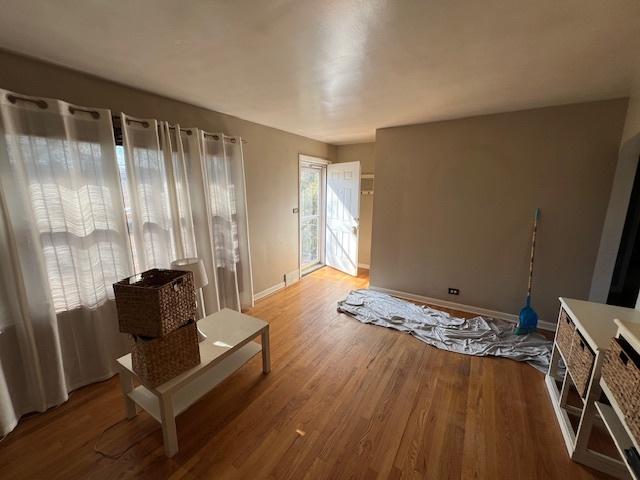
pixel 614 222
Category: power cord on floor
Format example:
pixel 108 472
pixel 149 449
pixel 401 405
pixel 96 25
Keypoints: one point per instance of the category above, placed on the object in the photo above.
pixel 119 455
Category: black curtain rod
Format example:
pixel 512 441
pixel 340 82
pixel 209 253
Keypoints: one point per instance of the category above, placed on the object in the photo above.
pixel 42 104
pixel 188 131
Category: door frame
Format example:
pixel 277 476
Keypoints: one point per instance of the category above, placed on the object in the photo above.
pixel 306 160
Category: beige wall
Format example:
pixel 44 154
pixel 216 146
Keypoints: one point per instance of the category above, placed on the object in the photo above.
pixel 271 156
pixel 632 122
pixel 454 203
pixel 364 153
pixel 358 152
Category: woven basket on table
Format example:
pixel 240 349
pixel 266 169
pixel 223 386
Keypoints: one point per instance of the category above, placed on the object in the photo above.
pixel 621 373
pixel 156 302
pixel 158 360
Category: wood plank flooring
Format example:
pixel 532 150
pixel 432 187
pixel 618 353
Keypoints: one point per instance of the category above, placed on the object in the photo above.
pixel 343 400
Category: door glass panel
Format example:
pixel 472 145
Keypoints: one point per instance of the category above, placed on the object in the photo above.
pixel 310 216
pixel 310 252
pixel 310 185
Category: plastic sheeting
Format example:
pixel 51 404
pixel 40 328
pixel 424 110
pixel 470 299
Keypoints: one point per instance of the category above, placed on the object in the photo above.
pixel 474 336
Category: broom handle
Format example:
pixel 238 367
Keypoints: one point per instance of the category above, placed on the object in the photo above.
pixel 533 250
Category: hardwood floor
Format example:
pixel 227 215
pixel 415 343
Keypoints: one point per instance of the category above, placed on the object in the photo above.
pixel 343 400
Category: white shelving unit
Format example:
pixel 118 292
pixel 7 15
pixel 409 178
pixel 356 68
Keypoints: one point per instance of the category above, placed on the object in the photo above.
pixel 611 414
pixel 618 430
pixel 595 322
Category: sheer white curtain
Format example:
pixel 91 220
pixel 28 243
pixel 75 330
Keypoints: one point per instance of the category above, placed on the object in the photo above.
pixel 63 244
pixel 75 218
pixel 180 199
pixel 156 194
pixel 225 198
pixel 216 182
pixel 235 169
pixel 192 150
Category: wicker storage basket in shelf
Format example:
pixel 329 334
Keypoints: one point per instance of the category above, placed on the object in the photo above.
pixel 158 360
pixel 564 337
pixel 580 363
pixel 621 373
pixel 156 302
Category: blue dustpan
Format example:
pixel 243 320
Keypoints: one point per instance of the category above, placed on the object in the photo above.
pixel 527 320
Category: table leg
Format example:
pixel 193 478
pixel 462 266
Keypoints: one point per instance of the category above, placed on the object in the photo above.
pixel 126 383
pixel 266 354
pixel 169 434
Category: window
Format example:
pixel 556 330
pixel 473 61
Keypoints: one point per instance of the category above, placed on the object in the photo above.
pixel 72 189
pixel 122 168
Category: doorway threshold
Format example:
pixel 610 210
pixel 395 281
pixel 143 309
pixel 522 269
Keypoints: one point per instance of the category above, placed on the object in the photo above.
pixel 311 269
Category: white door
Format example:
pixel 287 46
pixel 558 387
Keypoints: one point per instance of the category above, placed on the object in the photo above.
pixel 343 212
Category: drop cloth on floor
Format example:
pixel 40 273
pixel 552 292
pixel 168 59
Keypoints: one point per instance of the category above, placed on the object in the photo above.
pixel 474 336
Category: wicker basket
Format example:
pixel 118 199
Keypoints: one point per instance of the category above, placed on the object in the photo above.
pixel 158 360
pixel 621 373
pixel 156 302
pixel 580 363
pixel 565 333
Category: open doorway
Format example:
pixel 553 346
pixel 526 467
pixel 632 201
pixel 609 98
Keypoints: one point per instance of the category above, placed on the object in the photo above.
pixel 625 282
pixel 329 208
pixel 312 211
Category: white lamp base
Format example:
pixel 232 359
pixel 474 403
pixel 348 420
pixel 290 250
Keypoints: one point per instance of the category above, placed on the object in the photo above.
pixel 201 336
pixel 200 309
pixel 196 267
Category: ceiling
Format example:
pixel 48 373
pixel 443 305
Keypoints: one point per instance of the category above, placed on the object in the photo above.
pixel 336 70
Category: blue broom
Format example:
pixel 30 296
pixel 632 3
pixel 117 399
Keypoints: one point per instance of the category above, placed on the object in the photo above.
pixel 528 318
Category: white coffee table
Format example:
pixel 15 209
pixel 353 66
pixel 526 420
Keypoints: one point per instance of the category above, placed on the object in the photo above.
pixel 227 347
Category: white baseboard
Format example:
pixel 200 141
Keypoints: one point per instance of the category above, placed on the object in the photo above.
pixel 291 277
pixel 509 317
pixel 363 265
pixel 268 291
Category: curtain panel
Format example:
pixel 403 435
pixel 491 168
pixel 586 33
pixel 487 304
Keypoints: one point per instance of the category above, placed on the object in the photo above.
pixel 216 182
pixel 156 195
pixel 223 175
pixel 63 244
pixel 79 213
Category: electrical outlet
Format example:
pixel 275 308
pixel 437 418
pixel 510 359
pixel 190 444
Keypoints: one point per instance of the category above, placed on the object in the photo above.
pixel 291 277
pixel 454 291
